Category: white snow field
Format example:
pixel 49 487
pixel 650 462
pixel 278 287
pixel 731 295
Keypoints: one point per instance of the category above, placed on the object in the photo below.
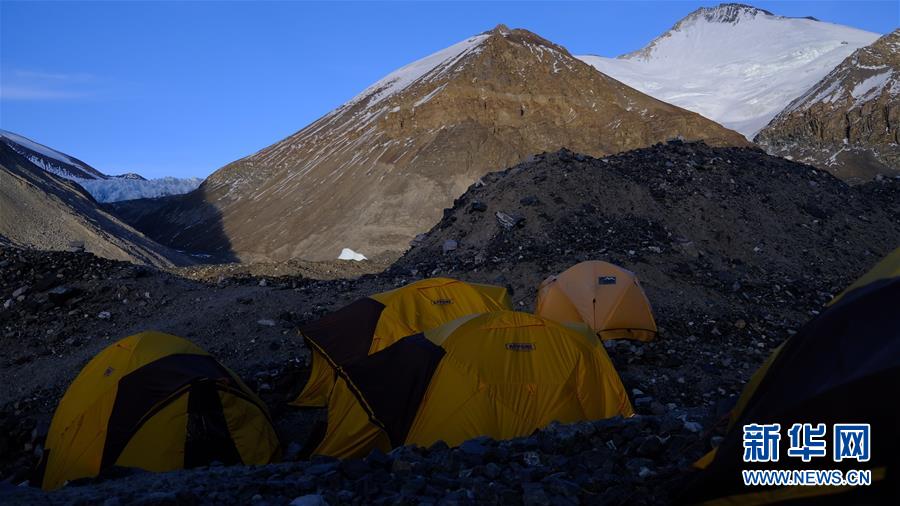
pixel 737 65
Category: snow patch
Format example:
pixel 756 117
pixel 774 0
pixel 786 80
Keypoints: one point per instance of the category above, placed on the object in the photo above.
pixel 829 94
pixel 875 83
pixel 427 97
pixel 349 254
pixel 50 165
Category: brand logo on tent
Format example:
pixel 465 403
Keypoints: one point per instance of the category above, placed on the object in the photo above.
pixel 607 280
pixel 442 302
pixel 520 346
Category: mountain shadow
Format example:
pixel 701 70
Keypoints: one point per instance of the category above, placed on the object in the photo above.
pixel 199 233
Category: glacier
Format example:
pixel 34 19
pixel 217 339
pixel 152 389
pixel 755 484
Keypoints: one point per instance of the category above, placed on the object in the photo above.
pixel 117 188
pixel 734 64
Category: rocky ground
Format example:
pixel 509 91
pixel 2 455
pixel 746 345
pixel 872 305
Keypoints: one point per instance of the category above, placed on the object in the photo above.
pixel 326 270
pixel 634 461
pixel 736 250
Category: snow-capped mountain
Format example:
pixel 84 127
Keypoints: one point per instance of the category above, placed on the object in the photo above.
pixel 735 64
pixel 42 210
pixel 50 159
pixel 376 171
pixel 102 187
pixel 849 122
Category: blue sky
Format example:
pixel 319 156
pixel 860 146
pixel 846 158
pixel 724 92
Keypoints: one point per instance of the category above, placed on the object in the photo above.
pixel 166 88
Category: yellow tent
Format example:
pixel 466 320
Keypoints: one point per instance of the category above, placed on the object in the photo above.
pixel 156 402
pixel 502 374
pixel 374 323
pixel 609 299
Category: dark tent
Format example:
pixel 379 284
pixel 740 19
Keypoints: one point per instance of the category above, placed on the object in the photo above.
pixel 843 367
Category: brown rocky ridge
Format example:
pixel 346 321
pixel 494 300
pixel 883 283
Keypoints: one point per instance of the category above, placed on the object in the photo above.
pixel 848 123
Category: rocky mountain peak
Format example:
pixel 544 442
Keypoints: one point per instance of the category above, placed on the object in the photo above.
pixel 523 37
pixel 729 13
pixel 847 123
pixel 500 29
pixel 517 35
pixel 723 14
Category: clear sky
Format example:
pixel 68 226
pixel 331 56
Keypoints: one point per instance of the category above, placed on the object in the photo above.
pixel 166 88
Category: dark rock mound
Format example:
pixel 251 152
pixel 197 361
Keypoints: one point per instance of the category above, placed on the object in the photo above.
pixel 726 229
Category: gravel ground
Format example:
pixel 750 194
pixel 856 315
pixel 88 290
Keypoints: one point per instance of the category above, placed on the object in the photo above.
pixel 736 250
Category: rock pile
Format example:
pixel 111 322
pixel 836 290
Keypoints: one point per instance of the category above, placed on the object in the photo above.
pixel 729 230
pixel 618 461
pixel 58 291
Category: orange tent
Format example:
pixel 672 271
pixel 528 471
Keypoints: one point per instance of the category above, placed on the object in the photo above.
pixel 607 298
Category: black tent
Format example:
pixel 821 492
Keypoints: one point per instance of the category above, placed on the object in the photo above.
pixel 843 367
